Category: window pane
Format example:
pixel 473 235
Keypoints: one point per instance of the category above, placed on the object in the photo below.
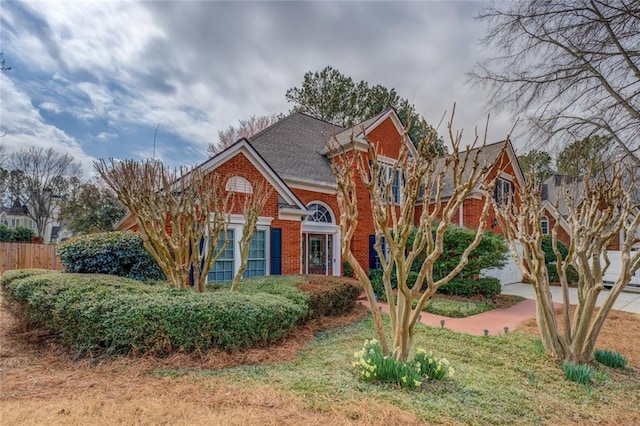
pixel 319 213
pixel 257 262
pixel 223 269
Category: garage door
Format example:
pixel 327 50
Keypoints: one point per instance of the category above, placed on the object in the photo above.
pixel 509 273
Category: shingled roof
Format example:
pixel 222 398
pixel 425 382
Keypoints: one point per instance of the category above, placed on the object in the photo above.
pixel 293 146
pixel 487 156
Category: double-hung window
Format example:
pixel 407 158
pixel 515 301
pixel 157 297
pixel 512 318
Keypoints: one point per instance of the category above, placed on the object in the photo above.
pixel 388 174
pixel 544 225
pixel 503 191
pixel 224 268
pixel 257 261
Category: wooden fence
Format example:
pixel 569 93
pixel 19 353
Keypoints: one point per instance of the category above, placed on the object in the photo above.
pixel 28 255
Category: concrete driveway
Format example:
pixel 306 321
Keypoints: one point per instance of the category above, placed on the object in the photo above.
pixel 629 302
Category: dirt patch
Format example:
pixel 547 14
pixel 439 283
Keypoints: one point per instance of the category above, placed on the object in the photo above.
pixel 620 333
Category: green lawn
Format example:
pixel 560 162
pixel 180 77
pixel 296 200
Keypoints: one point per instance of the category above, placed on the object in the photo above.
pixel 502 379
pixel 453 308
pixel 456 308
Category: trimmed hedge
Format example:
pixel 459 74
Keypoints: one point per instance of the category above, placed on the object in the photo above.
pixel 15 234
pixel 16 274
pixel 113 253
pixel 489 287
pixel 323 295
pixel 102 314
pixel 330 296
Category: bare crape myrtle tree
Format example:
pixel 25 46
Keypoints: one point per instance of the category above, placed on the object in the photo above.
pixel 180 216
pixel 424 176
pixel 600 210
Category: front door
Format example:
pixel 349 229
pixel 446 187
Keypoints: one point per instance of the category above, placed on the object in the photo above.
pixel 317 254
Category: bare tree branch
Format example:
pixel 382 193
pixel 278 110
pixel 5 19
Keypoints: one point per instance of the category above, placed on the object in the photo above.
pixel 571 66
pixel 417 180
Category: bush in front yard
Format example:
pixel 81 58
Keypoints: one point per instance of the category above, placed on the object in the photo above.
pixel 487 286
pixel 101 314
pixel 16 274
pixel 322 295
pixel 572 274
pixel 15 234
pixel 490 253
pixel 113 253
pixel 330 296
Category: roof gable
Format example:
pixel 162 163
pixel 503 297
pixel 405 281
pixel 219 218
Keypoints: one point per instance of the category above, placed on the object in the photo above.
pixel 361 131
pixel 243 147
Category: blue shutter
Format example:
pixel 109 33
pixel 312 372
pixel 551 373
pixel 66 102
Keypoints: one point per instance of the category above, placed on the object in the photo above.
pixel 276 251
pixel 373 256
pixel 192 279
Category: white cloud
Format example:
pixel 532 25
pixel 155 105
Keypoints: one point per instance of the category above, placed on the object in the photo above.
pixel 51 107
pixel 24 127
pixel 198 67
pixel 106 135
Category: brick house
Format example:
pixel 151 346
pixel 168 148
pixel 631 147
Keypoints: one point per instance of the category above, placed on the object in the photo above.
pixel 555 212
pixel 298 229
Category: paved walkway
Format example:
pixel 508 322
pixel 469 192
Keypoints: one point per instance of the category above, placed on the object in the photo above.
pixel 497 319
pixel 627 301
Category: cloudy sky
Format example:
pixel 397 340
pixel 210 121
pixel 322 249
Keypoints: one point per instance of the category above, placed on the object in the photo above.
pixel 96 79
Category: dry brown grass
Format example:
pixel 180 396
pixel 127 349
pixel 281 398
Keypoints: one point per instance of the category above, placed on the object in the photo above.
pixel 620 333
pixel 42 384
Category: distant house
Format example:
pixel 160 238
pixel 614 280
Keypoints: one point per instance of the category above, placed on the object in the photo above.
pixel 17 215
pixel 298 230
pixel 555 211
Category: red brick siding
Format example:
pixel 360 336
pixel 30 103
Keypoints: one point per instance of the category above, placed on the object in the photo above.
pixel 387 137
pixel 239 165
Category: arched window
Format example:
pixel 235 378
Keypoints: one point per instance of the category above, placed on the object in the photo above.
pixel 319 213
pixel 544 224
pixel 239 184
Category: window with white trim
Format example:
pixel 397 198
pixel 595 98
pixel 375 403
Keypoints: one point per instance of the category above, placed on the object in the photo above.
pixel 503 192
pixel 257 260
pixel 224 268
pixel 387 174
pixel 319 213
pixel 544 225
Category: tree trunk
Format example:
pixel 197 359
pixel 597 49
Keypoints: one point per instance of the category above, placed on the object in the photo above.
pixel 403 335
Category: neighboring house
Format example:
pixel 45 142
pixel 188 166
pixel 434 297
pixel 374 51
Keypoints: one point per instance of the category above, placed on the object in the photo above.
pixel 555 211
pixel 298 229
pixel 17 215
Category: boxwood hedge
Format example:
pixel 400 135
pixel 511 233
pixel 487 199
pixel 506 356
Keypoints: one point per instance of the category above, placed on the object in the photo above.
pixel 103 314
pixel 113 253
pixel 486 286
pixel 324 295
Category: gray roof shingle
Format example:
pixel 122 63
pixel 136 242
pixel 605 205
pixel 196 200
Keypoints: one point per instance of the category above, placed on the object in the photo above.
pixel 486 157
pixel 293 145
